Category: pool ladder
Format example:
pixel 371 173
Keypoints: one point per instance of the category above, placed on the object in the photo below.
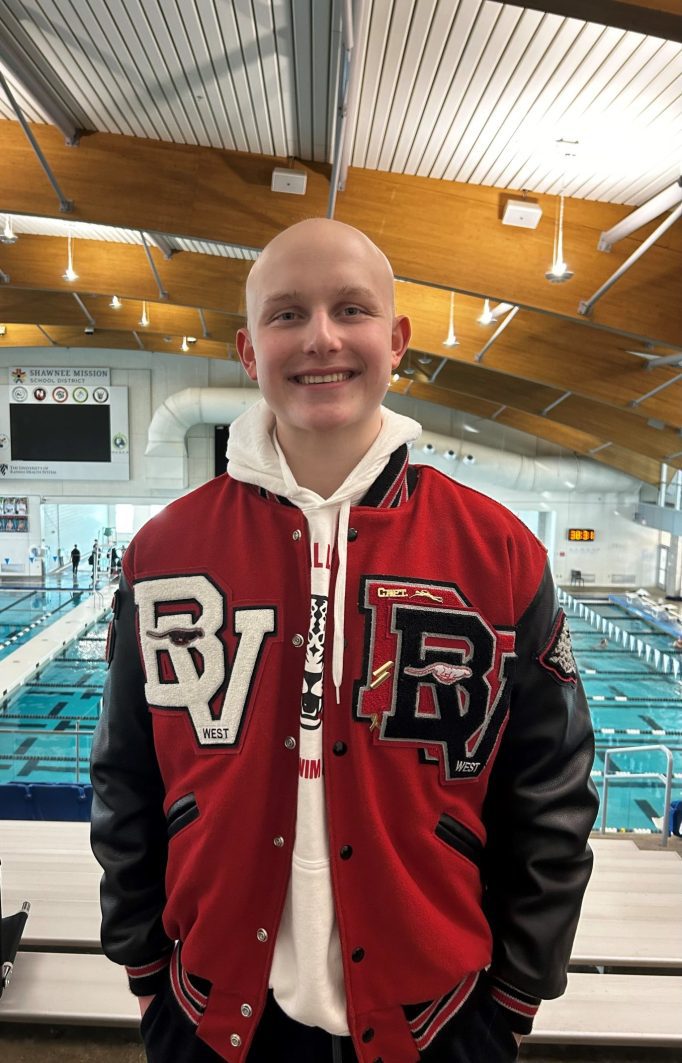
pixel 667 779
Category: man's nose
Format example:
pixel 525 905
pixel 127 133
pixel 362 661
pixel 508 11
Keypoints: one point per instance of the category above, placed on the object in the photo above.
pixel 322 333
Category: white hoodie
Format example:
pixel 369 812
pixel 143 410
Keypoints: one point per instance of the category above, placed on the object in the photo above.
pixel 307 973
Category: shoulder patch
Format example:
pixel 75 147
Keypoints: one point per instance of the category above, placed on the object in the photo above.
pixel 556 656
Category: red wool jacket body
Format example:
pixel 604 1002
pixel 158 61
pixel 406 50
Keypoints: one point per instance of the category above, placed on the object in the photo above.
pixel 456 762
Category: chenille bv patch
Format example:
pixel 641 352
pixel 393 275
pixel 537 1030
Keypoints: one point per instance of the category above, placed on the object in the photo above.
pixel 557 655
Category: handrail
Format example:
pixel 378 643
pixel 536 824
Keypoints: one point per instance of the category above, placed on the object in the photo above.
pixel 667 779
pixel 74 732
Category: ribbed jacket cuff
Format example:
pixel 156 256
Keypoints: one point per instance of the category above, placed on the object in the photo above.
pixel 519 1007
pixel 146 980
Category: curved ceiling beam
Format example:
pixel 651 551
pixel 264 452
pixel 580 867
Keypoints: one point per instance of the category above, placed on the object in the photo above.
pixel 455 237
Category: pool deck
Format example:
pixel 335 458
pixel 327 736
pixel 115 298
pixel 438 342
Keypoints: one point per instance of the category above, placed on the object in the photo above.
pixel 27 659
pixel 664 623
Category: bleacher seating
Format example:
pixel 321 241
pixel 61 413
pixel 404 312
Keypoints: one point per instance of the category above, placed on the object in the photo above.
pixel 47 801
pixel 632 918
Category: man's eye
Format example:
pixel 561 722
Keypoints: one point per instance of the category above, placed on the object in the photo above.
pixel 285 315
pixel 353 311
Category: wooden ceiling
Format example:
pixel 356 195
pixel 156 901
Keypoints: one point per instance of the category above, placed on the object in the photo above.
pixel 554 373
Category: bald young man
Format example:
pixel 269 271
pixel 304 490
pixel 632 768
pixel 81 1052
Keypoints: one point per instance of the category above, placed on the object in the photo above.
pixel 341 777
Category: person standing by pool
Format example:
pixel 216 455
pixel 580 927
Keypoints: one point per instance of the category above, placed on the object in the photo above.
pixel 75 558
pixel 369 843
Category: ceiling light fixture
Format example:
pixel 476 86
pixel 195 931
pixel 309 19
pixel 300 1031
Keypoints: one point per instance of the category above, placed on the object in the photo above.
pixel 8 235
pixel 559 271
pixel 185 345
pixel 470 428
pixel 69 273
pixel 144 320
pixel 487 317
pixel 425 359
pixel 451 340
pixel 115 303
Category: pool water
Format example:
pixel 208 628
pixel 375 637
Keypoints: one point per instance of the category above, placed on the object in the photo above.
pixel 46 728
pixel 25 610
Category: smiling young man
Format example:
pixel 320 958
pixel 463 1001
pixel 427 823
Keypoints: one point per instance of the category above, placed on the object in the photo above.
pixel 341 777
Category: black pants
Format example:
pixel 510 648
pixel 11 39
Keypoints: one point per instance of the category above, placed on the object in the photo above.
pixel 477 1034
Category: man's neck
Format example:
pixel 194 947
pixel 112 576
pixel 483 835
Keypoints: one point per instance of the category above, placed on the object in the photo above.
pixel 322 463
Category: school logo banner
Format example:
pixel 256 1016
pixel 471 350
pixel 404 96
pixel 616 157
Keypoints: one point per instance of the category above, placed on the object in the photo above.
pixel 437 673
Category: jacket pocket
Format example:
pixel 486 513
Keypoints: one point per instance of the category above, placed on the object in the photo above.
pixel 181 813
pixel 459 838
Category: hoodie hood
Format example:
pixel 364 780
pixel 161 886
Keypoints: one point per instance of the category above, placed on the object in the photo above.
pixel 255 457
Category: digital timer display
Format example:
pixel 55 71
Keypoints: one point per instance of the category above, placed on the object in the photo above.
pixel 581 535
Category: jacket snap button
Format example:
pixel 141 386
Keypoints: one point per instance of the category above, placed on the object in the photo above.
pixel 262 935
pixel 278 842
pixel 339 748
pixel 367 1035
pixel 235 1040
pixel 352 534
pixel 346 852
pixel 290 742
pixel 246 1010
pixel 297 640
pixel 357 955
pixel 296 535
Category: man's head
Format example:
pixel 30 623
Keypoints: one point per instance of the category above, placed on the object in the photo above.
pixel 322 337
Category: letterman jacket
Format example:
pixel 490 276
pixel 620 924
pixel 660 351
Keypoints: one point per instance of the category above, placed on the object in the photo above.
pixel 456 762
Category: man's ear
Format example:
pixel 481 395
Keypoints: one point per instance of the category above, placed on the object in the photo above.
pixel 400 338
pixel 247 355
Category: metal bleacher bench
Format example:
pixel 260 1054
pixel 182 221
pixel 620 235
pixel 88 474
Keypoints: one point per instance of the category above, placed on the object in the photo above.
pixel 632 917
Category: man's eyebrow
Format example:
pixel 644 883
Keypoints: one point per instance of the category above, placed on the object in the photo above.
pixel 350 291
pixel 281 297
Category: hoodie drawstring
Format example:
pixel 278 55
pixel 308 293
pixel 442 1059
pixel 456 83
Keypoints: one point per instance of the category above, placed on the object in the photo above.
pixel 340 598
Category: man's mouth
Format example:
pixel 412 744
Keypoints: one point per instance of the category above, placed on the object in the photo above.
pixel 324 378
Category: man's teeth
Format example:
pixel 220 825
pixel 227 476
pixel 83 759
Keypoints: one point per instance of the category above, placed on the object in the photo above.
pixel 324 378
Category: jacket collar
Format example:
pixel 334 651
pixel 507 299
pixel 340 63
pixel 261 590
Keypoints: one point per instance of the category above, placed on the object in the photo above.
pixel 392 487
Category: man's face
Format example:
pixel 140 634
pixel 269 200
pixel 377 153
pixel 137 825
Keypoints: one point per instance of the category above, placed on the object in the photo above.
pixel 322 339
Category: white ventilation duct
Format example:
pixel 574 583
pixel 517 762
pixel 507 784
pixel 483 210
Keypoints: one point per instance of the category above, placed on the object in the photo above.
pixel 166 451
pixel 478 465
pixel 472 463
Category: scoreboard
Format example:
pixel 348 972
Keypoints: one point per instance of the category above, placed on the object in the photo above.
pixel 581 535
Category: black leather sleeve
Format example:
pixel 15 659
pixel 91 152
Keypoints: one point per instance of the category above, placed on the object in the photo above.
pixel 539 811
pixel 128 829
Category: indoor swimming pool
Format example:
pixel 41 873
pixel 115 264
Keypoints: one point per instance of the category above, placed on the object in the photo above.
pixel 24 610
pixel 46 728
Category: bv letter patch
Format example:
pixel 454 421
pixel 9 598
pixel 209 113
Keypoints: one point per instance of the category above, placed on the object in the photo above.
pixel 186 662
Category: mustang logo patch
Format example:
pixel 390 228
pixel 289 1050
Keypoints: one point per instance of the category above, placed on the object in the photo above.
pixel 436 673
